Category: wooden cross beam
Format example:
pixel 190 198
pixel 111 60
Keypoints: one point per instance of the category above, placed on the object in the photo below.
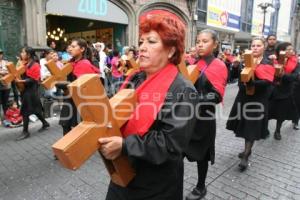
pixel 190 72
pixel 14 73
pixel 279 68
pixel 133 66
pixel 101 117
pixel 247 73
pixel 56 74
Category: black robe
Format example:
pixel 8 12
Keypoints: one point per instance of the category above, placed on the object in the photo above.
pixel 269 51
pixel 282 104
pixel 68 112
pixel 157 156
pixel 251 125
pixel 296 95
pixel 202 144
pixel 30 98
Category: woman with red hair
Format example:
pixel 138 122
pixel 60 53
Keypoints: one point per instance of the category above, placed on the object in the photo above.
pixel 158 132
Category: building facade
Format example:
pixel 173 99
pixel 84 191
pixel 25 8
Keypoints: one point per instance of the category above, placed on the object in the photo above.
pixel 238 21
pixel 34 22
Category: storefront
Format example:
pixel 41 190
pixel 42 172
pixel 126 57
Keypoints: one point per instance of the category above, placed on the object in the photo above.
pixel 92 20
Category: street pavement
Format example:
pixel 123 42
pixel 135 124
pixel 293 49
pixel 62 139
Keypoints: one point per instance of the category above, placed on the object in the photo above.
pixel 29 171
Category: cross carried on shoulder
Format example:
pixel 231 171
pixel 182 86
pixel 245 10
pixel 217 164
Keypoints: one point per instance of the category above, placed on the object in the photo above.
pixel 56 74
pixel 247 73
pixel 190 72
pixel 14 73
pixel 101 117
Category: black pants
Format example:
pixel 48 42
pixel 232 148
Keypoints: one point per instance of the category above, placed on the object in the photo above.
pixel 4 96
pixel 202 173
pixel 116 192
pixel 26 121
pixel 16 93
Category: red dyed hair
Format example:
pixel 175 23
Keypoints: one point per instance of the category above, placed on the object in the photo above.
pixel 170 30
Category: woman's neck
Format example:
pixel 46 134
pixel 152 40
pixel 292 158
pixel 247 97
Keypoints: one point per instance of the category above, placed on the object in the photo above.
pixel 258 59
pixel 78 58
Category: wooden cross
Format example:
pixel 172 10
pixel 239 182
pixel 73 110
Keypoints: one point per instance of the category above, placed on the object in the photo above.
pixel 128 67
pixel 247 73
pixel 57 74
pixel 14 73
pixel 279 68
pixel 133 66
pixel 190 72
pixel 101 117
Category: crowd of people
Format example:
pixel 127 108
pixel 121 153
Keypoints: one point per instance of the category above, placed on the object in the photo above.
pixel 162 133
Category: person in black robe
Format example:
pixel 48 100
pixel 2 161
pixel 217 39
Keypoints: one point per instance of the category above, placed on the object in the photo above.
pixel 155 137
pixel 248 118
pixel 270 51
pixel 82 64
pixel 211 87
pixel 282 104
pixel 31 103
pixel 296 96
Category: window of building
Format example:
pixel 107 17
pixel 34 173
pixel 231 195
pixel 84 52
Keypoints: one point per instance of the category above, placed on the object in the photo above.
pixel 246 18
pixel 202 10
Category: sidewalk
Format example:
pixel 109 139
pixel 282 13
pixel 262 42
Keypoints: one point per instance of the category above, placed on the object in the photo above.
pixel 29 171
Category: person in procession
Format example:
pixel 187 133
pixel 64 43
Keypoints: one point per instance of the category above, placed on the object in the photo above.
pixel 158 132
pixel 81 62
pixel 211 88
pixel 30 101
pixel 282 104
pixel 248 118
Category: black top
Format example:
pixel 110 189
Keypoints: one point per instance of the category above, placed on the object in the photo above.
pixel 157 156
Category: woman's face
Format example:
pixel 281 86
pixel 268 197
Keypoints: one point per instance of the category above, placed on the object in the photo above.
pixel 24 55
pixel 153 56
pixel 55 57
pixel 75 50
pixel 257 47
pixel 290 51
pixel 49 56
pixel 205 44
pixel 130 55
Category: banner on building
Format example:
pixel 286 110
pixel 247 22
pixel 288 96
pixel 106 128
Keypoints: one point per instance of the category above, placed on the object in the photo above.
pixel 224 14
pixel 284 21
pixel 258 18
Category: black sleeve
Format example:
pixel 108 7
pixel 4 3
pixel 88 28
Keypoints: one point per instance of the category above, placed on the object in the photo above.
pixel 258 83
pixel 207 92
pixel 292 76
pixel 171 133
pixel 29 81
pixel 289 77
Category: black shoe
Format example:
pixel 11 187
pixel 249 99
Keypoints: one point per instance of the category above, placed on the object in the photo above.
pixel 196 194
pixel 241 155
pixel 23 136
pixel 243 164
pixel 277 135
pixel 295 127
pixel 44 127
pixel 55 157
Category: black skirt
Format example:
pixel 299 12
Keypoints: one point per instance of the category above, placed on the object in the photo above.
pixel 283 109
pixel 68 113
pixel 202 144
pixel 252 125
pixel 30 98
pixel 296 96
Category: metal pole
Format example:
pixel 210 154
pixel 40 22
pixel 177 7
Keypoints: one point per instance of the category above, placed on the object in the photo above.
pixel 263 29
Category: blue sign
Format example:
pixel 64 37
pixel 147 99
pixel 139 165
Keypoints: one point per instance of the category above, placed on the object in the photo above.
pixel 95 7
